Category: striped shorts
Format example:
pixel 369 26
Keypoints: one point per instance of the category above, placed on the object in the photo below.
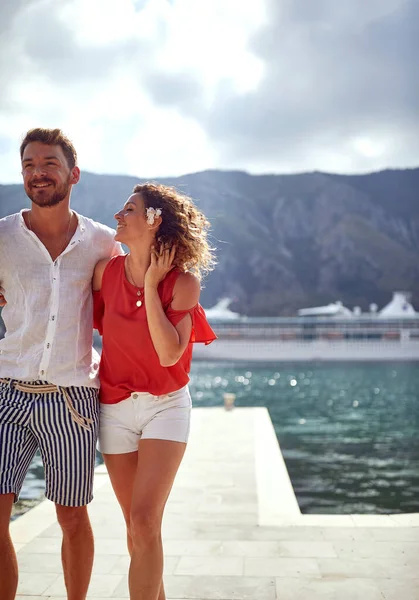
pixel 63 425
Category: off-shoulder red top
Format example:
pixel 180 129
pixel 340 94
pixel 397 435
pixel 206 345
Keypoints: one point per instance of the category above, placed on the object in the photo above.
pixel 129 361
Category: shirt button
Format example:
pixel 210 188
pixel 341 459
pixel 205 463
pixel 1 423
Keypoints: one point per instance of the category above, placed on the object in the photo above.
pixel 53 318
pixel 42 372
pixel 48 345
pixel 135 396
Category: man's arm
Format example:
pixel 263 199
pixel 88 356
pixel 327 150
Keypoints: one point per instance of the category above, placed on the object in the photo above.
pixel 2 298
pixel 2 291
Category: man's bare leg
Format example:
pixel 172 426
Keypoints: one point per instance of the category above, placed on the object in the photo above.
pixel 77 550
pixel 8 561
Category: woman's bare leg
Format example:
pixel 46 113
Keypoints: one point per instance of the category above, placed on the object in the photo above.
pixel 122 469
pixel 158 463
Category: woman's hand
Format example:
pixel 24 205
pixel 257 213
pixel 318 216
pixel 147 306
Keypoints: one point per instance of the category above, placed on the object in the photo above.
pixel 161 264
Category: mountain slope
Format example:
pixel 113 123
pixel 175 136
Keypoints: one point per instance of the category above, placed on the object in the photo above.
pixel 288 241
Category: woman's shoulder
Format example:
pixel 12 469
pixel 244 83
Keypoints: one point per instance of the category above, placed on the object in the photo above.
pixel 186 289
pixel 187 279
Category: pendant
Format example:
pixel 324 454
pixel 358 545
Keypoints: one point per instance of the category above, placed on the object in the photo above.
pixel 139 292
pixel 139 303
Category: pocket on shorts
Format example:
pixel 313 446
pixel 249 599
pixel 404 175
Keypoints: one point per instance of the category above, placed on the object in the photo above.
pixel 4 395
pixel 118 411
pixel 14 406
pixel 86 403
pixel 180 398
pixel 4 387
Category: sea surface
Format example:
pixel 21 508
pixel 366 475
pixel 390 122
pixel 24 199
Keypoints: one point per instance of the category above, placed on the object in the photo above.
pixel 349 432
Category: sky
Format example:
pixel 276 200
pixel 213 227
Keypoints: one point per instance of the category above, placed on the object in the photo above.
pixel 167 87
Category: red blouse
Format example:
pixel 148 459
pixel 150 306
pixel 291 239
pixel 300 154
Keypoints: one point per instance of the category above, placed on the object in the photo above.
pixel 129 361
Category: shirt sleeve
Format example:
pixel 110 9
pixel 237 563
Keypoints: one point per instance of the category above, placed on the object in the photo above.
pixel 201 329
pixel 116 249
pixel 98 311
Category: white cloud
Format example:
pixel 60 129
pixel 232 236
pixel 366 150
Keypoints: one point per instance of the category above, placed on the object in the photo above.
pixel 369 148
pixel 83 65
pixel 159 87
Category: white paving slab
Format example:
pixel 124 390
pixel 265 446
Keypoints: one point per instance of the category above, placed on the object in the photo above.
pixel 233 529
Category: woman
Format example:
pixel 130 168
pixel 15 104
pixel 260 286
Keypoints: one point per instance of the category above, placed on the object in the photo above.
pixel 147 309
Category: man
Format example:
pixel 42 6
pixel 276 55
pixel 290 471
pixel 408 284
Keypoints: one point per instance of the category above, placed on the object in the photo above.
pixel 48 370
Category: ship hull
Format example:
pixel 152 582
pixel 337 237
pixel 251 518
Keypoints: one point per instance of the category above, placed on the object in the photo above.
pixel 316 350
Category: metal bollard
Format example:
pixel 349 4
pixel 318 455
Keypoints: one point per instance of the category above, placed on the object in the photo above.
pixel 229 400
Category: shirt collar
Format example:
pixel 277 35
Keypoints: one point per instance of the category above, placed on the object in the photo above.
pixel 79 234
pixel 22 220
pixel 81 224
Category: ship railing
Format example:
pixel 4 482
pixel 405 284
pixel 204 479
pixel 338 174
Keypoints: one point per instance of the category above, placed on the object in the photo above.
pixel 333 330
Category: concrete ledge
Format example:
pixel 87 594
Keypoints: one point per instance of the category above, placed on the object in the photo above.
pixel 277 502
pixel 232 530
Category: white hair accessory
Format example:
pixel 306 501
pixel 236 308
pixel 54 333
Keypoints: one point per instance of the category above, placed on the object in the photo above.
pixel 152 213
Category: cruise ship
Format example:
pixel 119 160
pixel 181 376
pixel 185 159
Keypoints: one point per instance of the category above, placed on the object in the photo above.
pixel 324 333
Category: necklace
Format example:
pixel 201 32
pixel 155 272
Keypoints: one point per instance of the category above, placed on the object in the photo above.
pixel 66 239
pixel 139 291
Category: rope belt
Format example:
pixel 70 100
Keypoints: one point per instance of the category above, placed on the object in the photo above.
pixel 50 388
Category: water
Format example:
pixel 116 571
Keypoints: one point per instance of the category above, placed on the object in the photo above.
pixel 349 433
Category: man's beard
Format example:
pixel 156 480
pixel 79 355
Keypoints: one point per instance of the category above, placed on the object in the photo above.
pixel 58 196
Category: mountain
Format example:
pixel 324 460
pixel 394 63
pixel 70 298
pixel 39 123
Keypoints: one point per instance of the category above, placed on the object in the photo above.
pixel 287 241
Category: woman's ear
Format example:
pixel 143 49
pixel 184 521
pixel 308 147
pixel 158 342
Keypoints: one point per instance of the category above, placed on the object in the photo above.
pixel 157 223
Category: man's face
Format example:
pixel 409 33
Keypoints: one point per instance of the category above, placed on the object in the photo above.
pixel 47 178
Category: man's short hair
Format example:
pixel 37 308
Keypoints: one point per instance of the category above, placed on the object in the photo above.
pixel 51 137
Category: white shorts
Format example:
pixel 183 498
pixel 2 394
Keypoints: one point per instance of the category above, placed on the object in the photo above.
pixel 143 416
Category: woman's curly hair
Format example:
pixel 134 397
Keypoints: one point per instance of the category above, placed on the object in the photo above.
pixel 183 225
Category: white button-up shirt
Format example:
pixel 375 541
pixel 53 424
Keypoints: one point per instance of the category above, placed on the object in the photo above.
pixel 49 312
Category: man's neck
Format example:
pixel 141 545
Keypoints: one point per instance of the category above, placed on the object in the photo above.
pixel 49 220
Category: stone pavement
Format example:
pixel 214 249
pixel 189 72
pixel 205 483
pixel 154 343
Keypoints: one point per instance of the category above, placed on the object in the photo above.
pixel 233 530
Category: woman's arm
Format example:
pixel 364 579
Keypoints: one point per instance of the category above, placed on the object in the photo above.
pixel 98 303
pixel 169 341
pixel 98 274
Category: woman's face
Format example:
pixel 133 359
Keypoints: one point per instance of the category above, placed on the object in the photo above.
pixel 132 220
